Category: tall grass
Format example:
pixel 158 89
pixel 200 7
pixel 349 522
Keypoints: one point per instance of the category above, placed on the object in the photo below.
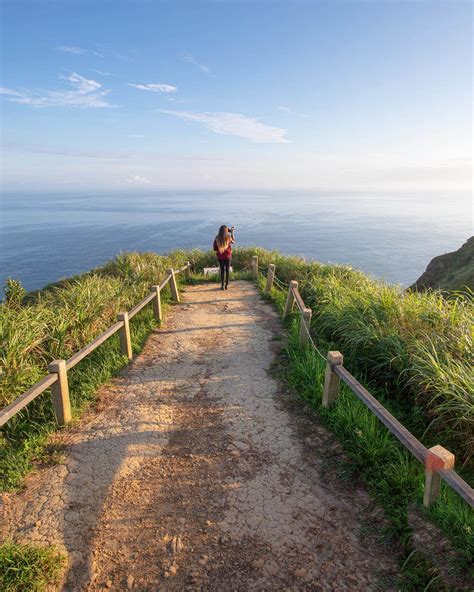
pixel 53 324
pixel 391 473
pixel 413 350
pixel 417 347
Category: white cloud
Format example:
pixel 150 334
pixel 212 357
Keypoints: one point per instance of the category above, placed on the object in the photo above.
pixel 157 88
pixel 83 94
pixel 188 57
pixel 104 73
pixel 99 53
pixel 291 112
pixel 235 124
pixel 10 92
pixel 74 50
pixel 137 180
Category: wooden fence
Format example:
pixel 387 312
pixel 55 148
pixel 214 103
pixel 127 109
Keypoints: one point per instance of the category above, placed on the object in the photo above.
pixel 438 462
pixel 57 378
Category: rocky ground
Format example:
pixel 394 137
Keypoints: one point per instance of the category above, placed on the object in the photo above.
pixel 195 471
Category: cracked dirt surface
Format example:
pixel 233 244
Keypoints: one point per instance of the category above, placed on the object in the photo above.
pixel 194 472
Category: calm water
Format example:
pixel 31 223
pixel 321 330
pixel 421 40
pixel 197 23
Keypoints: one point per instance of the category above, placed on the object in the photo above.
pixel 45 237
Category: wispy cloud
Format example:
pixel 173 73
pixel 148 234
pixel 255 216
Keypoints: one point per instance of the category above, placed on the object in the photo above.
pixel 104 73
pixel 138 180
pixel 157 88
pixel 235 124
pixel 74 50
pixel 83 94
pixel 10 92
pixel 291 112
pixel 188 57
pixel 100 52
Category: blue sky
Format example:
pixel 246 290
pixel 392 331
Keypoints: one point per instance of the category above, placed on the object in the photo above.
pixel 333 95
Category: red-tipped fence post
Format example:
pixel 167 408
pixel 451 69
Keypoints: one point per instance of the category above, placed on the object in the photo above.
pixel 437 458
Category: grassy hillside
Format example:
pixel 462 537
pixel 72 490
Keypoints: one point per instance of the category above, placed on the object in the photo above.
pixel 451 271
pixel 412 350
pixel 414 346
pixel 375 458
pixel 54 323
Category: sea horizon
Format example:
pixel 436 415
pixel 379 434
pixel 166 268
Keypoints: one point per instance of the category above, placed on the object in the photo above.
pixel 49 235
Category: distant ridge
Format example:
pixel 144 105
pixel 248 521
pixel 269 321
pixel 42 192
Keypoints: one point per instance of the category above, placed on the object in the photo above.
pixel 451 271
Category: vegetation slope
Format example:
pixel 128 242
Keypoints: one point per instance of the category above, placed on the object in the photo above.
pixel 411 349
pixel 451 271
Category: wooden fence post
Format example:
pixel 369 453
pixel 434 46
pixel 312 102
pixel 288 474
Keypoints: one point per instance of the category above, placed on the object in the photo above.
pixel 305 321
pixel 187 271
pixel 60 392
pixel 270 276
pixel 331 379
pixel 290 299
pixel 125 342
pixel 173 286
pixel 437 458
pixel 157 303
pixel 255 266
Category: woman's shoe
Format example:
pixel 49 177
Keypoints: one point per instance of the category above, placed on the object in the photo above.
pixel 222 287
pixel 227 287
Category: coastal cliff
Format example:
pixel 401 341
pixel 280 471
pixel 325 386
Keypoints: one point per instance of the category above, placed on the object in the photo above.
pixel 451 271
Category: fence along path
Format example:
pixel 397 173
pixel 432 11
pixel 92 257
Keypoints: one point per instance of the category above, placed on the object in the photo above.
pixel 438 461
pixel 57 378
pixel 195 471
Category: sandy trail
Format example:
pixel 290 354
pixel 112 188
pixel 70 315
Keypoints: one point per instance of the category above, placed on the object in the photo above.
pixel 196 472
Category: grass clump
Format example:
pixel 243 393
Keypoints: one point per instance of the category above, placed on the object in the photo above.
pixel 413 347
pixel 56 322
pixel 28 568
pixel 416 347
pixel 391 473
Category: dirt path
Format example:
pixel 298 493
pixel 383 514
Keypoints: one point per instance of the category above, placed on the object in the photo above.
pixel 195 473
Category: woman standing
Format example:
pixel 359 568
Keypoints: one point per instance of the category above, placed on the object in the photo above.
pixel 223 248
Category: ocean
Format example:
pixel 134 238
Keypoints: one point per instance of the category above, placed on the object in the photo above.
pixel 47 236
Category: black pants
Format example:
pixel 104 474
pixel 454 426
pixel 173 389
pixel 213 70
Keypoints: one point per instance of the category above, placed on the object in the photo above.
pixel 224 265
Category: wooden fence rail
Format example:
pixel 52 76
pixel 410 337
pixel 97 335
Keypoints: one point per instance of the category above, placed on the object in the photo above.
pixel 57 378
pixel 438 462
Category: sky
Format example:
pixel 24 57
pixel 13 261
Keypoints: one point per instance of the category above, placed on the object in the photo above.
pixel 336 95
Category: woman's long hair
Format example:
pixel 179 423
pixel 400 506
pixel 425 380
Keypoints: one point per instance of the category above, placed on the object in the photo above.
pixel 223 239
